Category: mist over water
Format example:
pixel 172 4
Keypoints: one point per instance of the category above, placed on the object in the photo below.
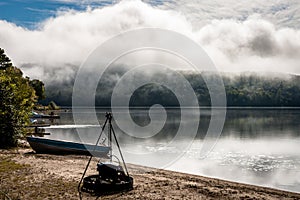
pixel 257 146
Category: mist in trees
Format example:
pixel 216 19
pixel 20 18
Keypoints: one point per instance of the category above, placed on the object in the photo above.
pixel 245 89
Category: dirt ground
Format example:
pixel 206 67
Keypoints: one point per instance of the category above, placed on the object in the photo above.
pixel 26 175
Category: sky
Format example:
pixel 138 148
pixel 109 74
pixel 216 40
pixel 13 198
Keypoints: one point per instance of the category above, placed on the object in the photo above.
pixel 27 13
pixel 239 35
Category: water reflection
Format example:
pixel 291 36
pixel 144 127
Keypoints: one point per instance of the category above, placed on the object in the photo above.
pixel 253 123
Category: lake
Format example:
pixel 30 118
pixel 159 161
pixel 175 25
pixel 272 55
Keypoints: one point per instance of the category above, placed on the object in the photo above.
pixel 257 146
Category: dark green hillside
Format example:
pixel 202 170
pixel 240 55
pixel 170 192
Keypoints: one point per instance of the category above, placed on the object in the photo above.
pixel 248 89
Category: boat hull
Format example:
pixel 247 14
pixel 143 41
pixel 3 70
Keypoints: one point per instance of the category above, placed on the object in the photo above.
pixel 43 145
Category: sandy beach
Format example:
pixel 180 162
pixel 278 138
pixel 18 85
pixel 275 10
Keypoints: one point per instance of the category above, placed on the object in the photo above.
pixel 26 175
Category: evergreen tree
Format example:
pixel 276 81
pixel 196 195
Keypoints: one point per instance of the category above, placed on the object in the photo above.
pixel 4 60
pixel 39 88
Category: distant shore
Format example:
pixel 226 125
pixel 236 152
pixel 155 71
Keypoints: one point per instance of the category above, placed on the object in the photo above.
pixel 26 175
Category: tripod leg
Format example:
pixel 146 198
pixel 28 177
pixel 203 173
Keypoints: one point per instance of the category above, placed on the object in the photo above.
pixel 78 188
pixel 119 150
pixel 110 138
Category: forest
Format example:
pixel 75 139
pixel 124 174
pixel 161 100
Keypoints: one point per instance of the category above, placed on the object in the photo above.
pixel 244 89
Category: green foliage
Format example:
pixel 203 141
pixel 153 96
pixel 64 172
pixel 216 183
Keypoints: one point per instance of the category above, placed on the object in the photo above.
pixel 52 106
pixel 17 98
pixel 253 90
pixel 39 88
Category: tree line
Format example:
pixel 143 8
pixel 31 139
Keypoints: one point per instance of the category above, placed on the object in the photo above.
pixel 245 89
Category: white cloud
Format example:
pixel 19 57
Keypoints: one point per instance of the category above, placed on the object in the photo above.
pixel 252 45
pixel 234 45
pixel 282 13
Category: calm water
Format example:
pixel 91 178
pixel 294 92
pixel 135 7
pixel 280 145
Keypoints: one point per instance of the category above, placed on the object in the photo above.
pixel 257 146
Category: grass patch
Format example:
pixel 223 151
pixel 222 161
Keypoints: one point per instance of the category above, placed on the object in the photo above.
pixel 7 169
pixel 7 166
pixel 21 181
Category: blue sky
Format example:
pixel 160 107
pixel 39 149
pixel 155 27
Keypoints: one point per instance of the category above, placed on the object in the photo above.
pixel 27 13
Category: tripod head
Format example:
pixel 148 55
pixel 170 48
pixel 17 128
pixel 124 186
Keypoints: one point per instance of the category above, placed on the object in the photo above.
pixel 108 116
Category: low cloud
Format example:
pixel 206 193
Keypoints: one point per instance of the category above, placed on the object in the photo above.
pixel 252 45
pixel 60 44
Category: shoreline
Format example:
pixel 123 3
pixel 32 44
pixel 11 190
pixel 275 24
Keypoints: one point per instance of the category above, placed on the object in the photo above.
pixel 216 179
pixel 232 181
pixel 25 172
